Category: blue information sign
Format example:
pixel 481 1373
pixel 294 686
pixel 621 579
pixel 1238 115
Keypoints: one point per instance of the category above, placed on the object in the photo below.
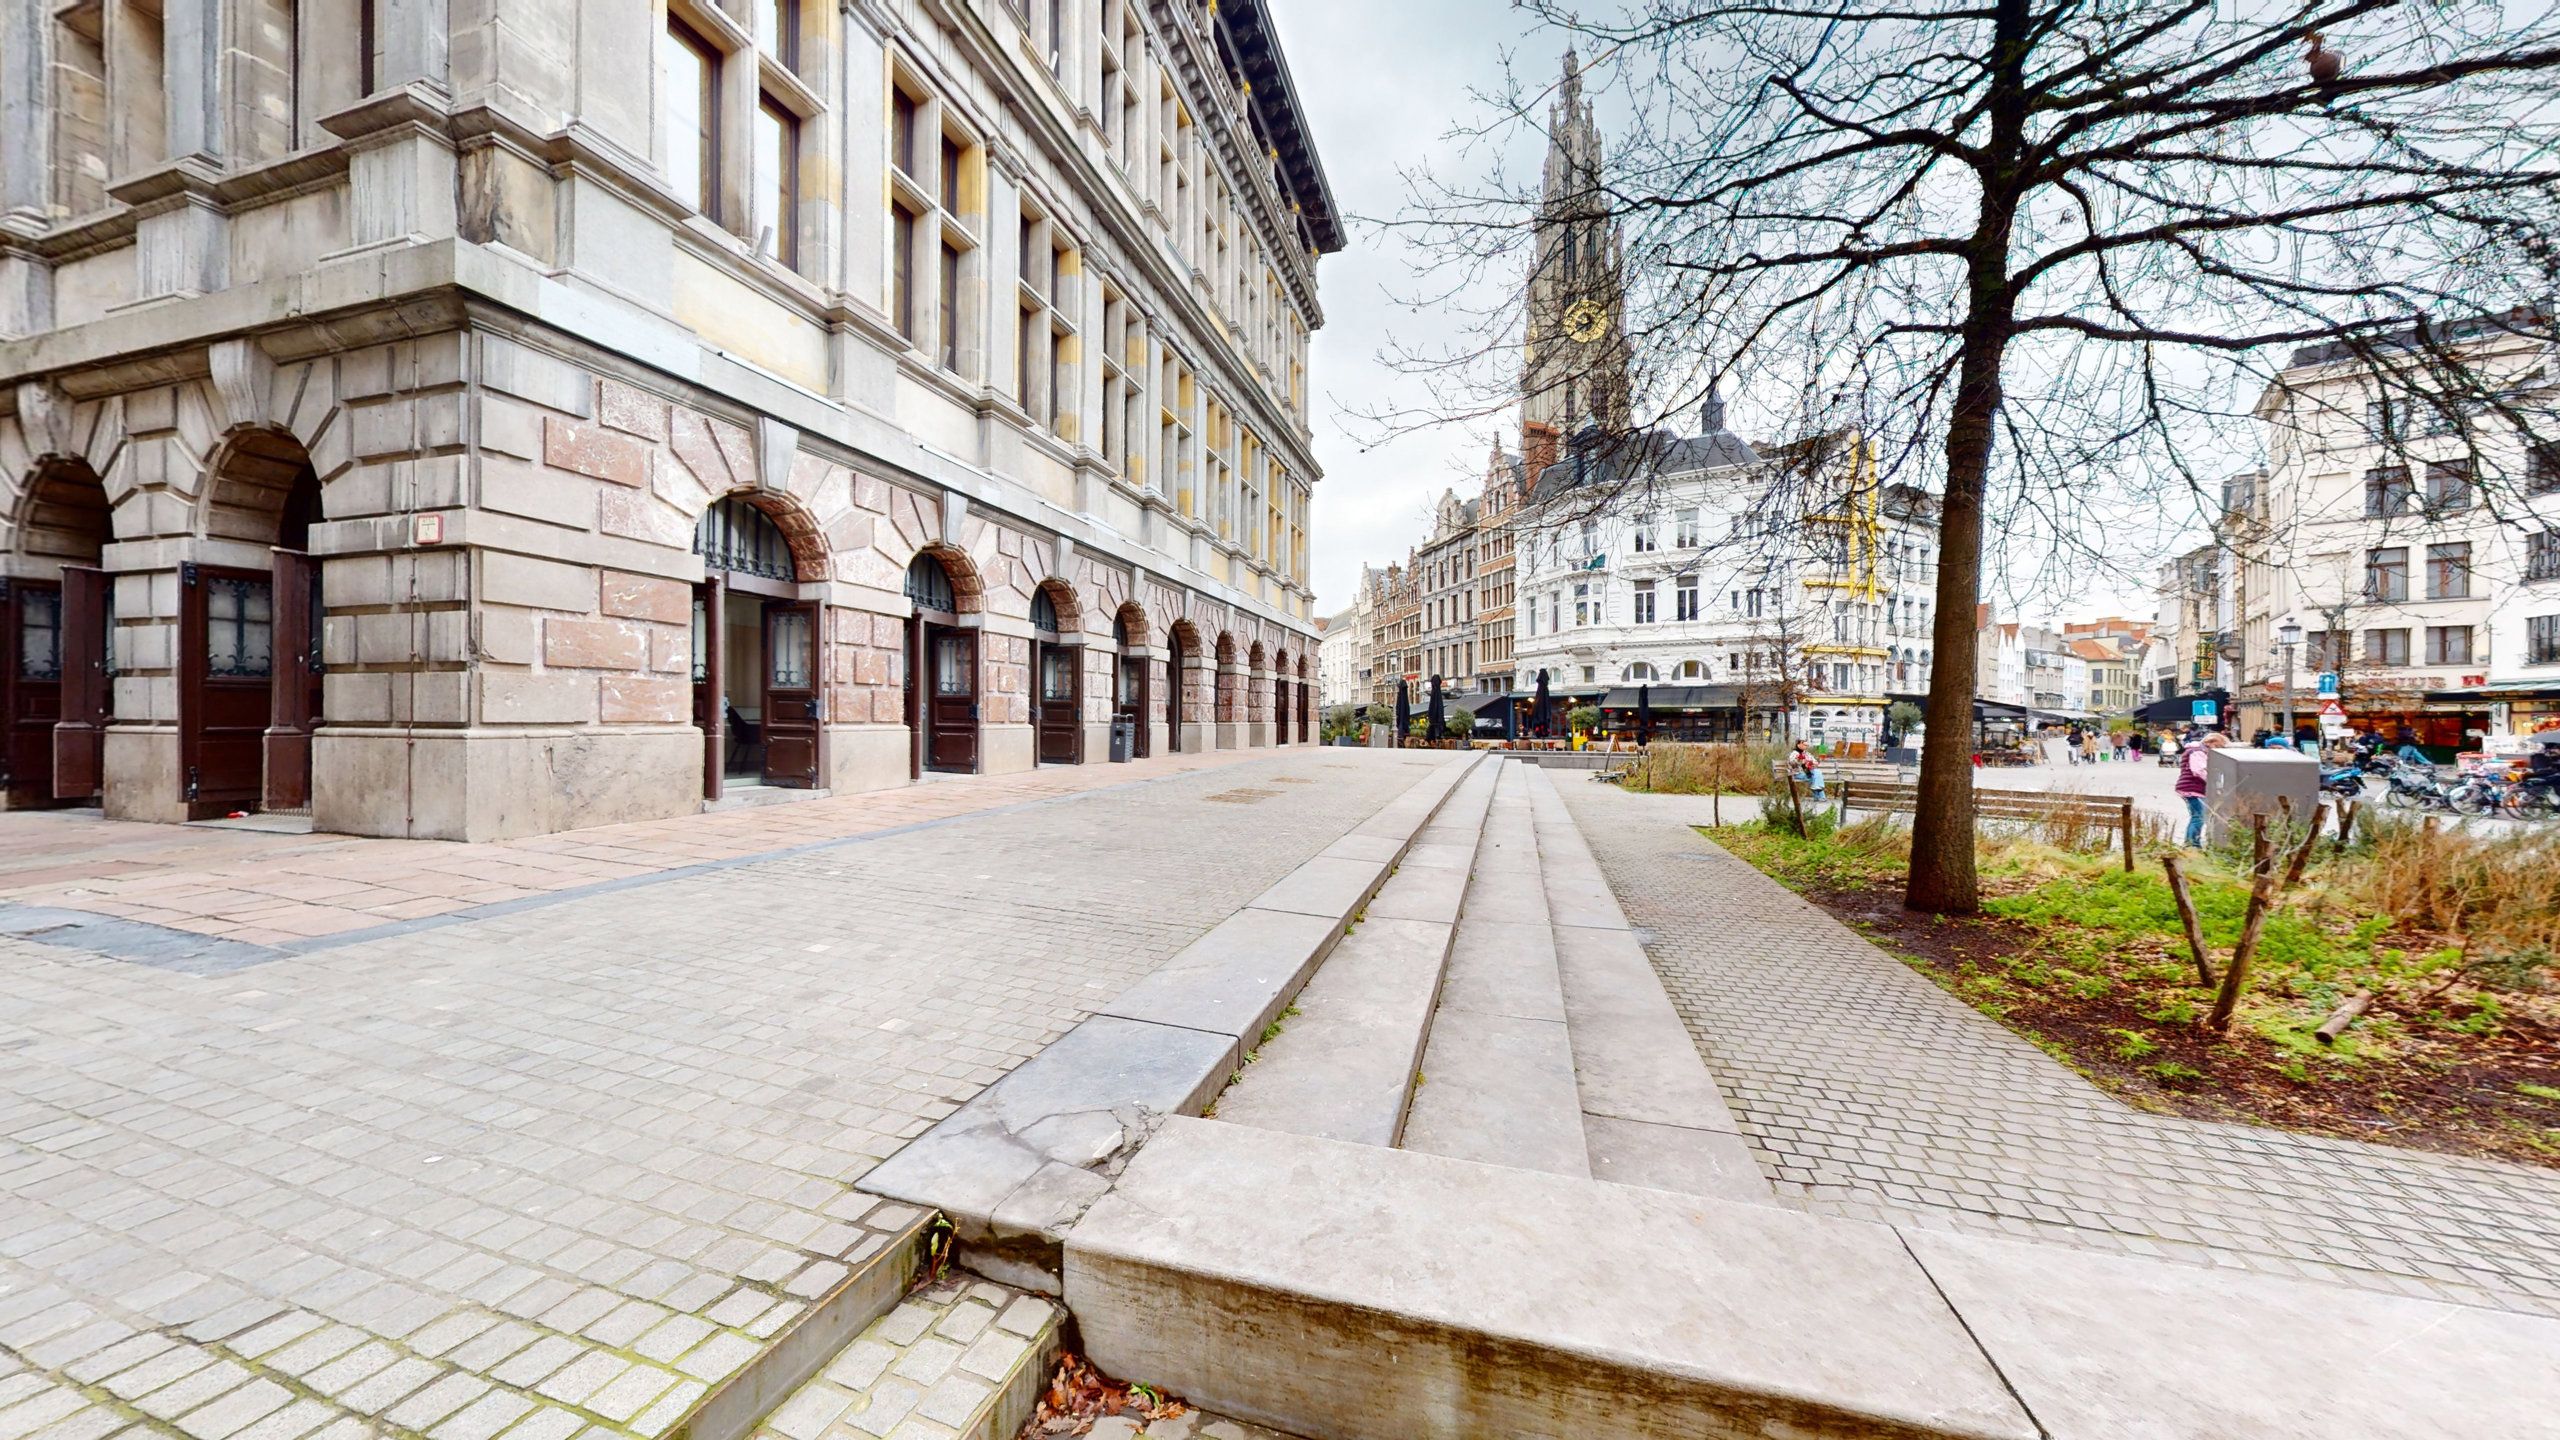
pixel 2206 712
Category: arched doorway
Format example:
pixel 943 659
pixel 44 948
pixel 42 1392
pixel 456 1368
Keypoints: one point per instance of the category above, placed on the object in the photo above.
pixel 942 673
pixel 1280 697
pixel 1182 643
pixel 1306 706
pixel 1057 669
pixel 757 691
pixel 249 671
pixel 1129 699
pixel 1228 710
pixel 58 682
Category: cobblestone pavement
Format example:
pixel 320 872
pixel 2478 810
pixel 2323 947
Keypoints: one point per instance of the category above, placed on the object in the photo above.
pixel 557 1170
pixel 938 1366
pixel 292 890
pixel 1866 1090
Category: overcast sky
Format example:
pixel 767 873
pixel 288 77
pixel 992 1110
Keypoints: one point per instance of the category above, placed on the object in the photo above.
pixel 1384 83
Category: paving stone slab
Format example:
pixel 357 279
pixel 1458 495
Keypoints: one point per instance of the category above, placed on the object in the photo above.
pixel 1017 1163
pixel 1328 886
pixel 2104 1346
pixel 1672 1157
pixel 1503 967
pixel 1234 979
pixel 1344 1067
pixel 1351 1291
pixel 1499 1089
pixel 1635 1058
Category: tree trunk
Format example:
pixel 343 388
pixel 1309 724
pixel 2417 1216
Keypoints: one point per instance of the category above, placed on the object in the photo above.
pixel 1942 879
pixel 1942 876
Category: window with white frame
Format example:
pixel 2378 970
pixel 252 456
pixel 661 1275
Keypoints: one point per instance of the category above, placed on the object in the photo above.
pixel 1647 540
pixel 1642 673
pixel 1581 605
pixel 1684 528
pixel 1684 599
pixel 1690 671
pixel 1644 602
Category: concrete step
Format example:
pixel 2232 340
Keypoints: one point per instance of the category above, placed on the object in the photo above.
pixel 1497 1081
pixel 1651 1114
pixel 1357 1292
pixel 1015 1166
pixel 1342 1067
pixel 964 1359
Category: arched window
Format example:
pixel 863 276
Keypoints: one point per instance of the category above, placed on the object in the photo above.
pixel 1642 673
pixel 734 535
pixel 929 585
pixel 1691 670
pixel 1044 612
pixel 1120 629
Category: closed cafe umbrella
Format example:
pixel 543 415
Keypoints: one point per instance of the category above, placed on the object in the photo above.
pixel 1404 712
pixel 1439 729
pixel 1644 714
pixel 1542 710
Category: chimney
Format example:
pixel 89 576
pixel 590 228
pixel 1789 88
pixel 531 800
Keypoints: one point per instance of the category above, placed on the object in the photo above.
pixel 1538 445
pixel 1715 409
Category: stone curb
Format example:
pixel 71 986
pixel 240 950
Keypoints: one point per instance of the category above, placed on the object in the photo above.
pixel 1015 1166
pixel 735 1406
pixel 1353 1292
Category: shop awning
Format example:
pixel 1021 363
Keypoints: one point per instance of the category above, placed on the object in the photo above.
pixel 2180 709
pixel 1677 697
pixel 2490 694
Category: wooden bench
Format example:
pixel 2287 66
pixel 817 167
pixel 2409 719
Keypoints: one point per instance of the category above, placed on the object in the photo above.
pixel 2114 812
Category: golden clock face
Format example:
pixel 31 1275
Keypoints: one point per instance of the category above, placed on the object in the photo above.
pixel 1586 321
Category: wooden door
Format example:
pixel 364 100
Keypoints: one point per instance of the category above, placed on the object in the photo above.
pixel 226 669
pixel 1131 703
pixel 791 707
pixel 294 696
pixel 1056 712
pixel 710 707
pixel 1306 731
pixel 34 695
pixel 1173 698
pixel 951 699
pixel 80 736
pixel 1279 711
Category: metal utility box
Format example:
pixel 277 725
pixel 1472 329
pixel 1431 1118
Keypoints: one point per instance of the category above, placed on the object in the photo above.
pixel 2239 784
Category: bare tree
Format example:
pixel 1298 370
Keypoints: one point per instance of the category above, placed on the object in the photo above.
pixel 2042 255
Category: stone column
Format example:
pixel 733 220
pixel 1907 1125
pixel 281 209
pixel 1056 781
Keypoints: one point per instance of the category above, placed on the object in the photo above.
pixel 26 162
pixel 1199 701
pixel 1230 704
pixel 410 40
pixel 192 41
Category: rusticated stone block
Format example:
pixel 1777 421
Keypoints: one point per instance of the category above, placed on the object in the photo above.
pixel 632 409
pixel 630 700
pixel 646 597
pixel 594 644
pixel 595 451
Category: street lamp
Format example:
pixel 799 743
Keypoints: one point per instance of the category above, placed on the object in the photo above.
pixel 2288 635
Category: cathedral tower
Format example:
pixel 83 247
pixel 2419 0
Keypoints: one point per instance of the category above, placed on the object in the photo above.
pixel 1574 366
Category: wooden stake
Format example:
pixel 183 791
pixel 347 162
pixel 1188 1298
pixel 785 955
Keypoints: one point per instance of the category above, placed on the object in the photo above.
pixel 2261 897
pixel 2302 855
pixel 2342 1017
pixel 2187 917
pixel 2347 823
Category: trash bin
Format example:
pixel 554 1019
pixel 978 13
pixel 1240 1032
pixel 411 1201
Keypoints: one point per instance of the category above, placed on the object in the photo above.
pixel 1124 738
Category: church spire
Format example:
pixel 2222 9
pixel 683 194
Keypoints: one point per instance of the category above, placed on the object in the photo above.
pixel 1575 368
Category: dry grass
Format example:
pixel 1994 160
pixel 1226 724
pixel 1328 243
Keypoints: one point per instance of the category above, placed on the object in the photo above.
pixel 1675 768
pixel 2497 891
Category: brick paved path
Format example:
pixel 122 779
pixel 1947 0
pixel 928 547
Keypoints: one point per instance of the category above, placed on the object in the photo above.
pixel 269 889
pixel 562 1167
pixel 1867 1090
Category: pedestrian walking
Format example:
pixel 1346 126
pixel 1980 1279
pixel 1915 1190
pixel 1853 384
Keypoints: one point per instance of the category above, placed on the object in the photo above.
pixel 2190 787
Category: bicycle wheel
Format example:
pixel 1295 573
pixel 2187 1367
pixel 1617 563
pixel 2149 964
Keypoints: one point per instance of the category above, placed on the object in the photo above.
pixel 2472 800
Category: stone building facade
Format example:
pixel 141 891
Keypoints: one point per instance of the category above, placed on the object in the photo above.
pixel 475 420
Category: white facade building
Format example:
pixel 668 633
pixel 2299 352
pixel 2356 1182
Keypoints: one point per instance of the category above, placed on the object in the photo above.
pixel 2422 563
pixel 1663 568
pixel 1338 679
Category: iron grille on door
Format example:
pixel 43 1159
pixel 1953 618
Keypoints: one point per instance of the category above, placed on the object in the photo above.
pixel 736 536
